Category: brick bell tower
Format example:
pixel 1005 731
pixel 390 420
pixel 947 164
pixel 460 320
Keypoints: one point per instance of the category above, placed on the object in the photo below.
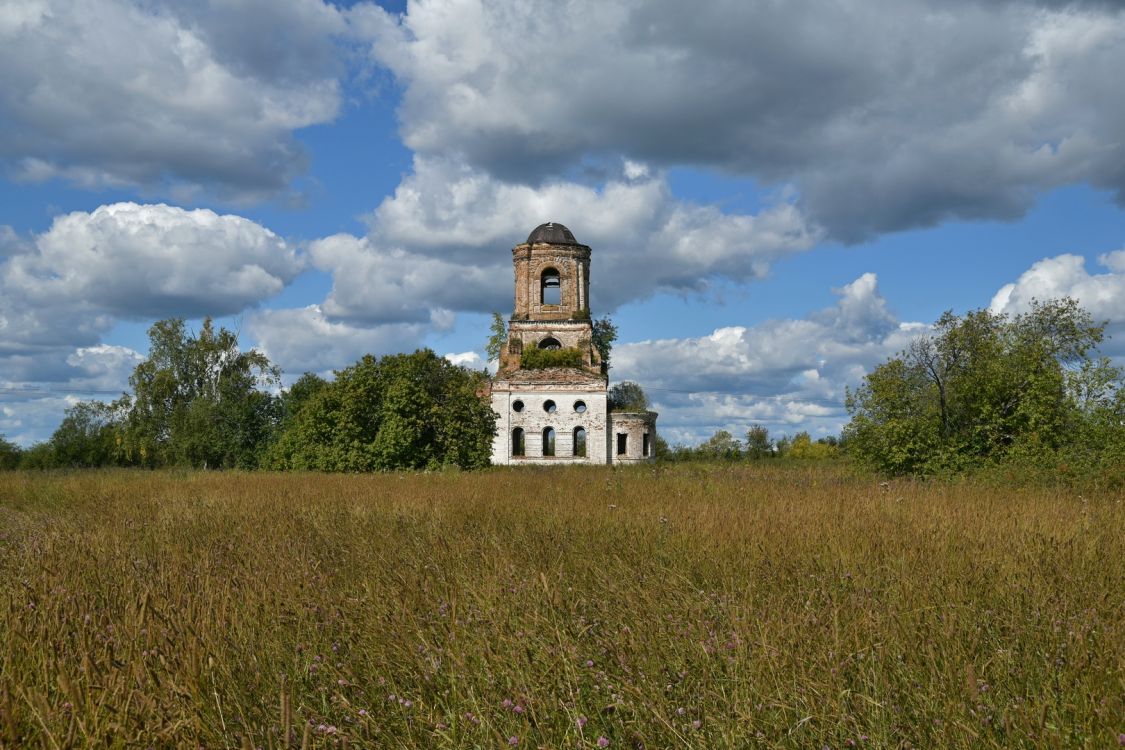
pixel 551 402
pixel 549 392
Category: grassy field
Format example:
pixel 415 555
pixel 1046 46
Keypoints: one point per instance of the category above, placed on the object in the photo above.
pixel 659 607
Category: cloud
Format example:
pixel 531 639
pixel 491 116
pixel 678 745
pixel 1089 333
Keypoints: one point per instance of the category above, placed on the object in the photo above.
pixel 104 368
pixel 1102 295
pixel 472 360
pixel 63 289
pixel 787 374
pixel 306 340
pixel 143 261
pixel 166 95
pixel 884 115
pixel 442 241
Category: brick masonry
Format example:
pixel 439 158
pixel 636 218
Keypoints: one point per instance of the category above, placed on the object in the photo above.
pixel 578 394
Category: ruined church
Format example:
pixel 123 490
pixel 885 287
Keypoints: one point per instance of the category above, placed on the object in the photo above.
pixel 550 390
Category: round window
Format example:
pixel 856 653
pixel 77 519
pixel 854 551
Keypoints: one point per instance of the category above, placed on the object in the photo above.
pixel 580 407
pixel 517 406
pixel 549 407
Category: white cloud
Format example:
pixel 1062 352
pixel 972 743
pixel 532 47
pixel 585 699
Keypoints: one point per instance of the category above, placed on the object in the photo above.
pixel 305 340
pixel 1101 294
pixel 472 360
pixel 885 115
pixel 143 261
pixel 104 368
pixel 787 374
pixel 63 289
pixel 166 94
pixel 459 223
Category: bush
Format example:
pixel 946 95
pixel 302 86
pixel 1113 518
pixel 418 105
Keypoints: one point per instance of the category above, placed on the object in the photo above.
pixel 541 359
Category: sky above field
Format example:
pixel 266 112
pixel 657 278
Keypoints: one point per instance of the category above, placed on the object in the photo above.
pixel 778 195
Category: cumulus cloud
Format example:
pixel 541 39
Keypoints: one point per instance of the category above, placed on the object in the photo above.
pixel 885 115
pixel 442 242
pixel 63 289
pixel 1101 294
pixel 104 368
pixel 166 94
pixel 472 360
pixel 142 261
pixel 306 340
pixel 788 374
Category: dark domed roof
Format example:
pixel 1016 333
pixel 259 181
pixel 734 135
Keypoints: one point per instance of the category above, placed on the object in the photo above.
pixel 551 233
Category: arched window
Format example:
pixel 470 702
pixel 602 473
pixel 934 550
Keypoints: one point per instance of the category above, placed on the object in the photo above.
pixel 517 442
pixel 549 441
pixel 550 343
pixel 580 441
pixel 550 287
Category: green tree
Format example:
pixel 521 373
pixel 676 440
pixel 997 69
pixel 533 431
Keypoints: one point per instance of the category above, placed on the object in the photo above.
pixel 627 396
pixel 402 411
pixel 91 434
pixel 803 447
pixel 985 388
pixel 198 400
pixel 9 455
pixel 603 336
pixel 498 337
pixel 758 443
pixel 721 445
pixel 297 395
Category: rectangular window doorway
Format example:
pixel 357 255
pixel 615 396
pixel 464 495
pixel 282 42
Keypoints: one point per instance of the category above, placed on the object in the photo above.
pixel 622 444
pixel 645 446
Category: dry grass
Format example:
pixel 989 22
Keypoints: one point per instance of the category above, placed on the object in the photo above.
pixel 683 607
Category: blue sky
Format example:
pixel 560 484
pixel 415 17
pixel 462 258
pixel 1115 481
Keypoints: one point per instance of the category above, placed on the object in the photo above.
pixel 778 196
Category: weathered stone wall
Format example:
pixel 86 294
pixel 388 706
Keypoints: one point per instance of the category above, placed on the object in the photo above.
pixel 533 418
pixel 635 426
pixel 573 264
pixel 528 334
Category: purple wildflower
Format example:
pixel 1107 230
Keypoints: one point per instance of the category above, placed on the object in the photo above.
pixel 603 741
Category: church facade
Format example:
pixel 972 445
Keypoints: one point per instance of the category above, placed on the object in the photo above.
pixel 550 388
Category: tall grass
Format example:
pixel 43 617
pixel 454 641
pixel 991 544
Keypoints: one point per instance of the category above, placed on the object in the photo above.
pixel 684 607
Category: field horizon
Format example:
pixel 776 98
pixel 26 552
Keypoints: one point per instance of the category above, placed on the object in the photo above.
pixel 743 605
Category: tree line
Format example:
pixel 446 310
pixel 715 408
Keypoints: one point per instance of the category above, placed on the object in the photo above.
pixel 198 401
pixel 1026 393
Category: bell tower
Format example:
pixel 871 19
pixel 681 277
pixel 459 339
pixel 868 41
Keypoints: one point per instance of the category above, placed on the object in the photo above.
pixel 552 301
pixel 552 275
pixel 550 389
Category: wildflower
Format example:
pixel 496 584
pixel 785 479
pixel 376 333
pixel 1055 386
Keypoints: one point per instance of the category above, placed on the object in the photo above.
pixel 680 711
pixel 518 708
pixel 603 742
pixel 513 740
pixel 408 703
pixel 363 712
pixel 506 703
pixel 696 724
pixel 581 723
pixel 341 682
pixel 589 662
